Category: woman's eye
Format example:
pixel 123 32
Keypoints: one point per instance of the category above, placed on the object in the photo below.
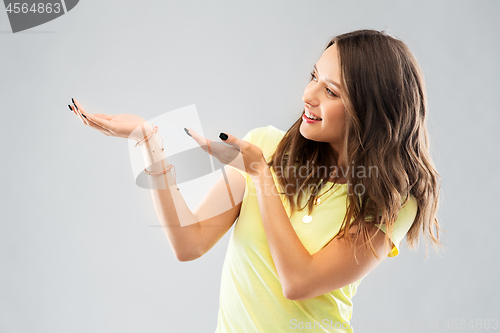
pixel 328 91
pixel 331 93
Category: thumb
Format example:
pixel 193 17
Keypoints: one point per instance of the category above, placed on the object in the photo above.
pixel 231 140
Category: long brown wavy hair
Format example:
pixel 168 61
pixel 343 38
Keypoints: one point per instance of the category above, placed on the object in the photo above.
pixel 383 92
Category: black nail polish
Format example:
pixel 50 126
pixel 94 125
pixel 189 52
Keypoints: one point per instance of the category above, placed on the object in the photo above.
pixel 187 132
pixel 69 106
pixel 223 136
pixel 74 103
pixel 84 116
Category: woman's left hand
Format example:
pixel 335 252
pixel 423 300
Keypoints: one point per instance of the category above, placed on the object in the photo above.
pixel 240 154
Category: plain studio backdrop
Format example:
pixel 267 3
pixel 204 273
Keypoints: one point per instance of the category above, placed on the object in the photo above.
pixel 80 246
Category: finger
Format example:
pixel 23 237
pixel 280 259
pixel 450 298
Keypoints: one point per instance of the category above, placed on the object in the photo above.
pixel 89 120
pixel 78 114
pixel 235 158
pixel 89 123
pixel 226 154
pixel 101 129
pixel 72 110
pixel 106 124
pixel 232 140
pixel 75 110
pixel 83 117
pixel 99 119
pixel 200 140
pixel 77 104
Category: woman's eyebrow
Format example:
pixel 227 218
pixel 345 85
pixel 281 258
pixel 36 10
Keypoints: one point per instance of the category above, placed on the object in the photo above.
pixel 328 80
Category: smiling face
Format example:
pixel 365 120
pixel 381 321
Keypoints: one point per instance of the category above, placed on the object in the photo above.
pixel 322 100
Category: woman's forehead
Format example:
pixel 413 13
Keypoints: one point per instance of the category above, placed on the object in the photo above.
pixel 328 65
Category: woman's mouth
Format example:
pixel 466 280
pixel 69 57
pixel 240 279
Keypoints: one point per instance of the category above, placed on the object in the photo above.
pixel 308 120
pixel 309 117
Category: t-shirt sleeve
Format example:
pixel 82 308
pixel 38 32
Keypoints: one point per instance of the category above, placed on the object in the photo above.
pixel 403 223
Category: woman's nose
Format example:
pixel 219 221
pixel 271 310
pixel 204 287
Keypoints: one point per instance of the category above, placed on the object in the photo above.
pixel 310 96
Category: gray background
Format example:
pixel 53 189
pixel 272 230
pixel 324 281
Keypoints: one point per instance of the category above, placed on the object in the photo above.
pixel 78 252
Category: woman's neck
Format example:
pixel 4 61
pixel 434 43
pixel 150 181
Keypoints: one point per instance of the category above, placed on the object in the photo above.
pixel 341 170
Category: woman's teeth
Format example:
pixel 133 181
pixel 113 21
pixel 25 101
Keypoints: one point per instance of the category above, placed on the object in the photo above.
pixel 310 116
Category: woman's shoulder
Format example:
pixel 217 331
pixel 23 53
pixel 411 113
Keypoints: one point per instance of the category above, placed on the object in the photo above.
pixel 266 138
pixel 264 134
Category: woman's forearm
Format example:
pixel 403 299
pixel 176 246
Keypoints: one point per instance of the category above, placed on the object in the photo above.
pixel 177 220
pixel 289 254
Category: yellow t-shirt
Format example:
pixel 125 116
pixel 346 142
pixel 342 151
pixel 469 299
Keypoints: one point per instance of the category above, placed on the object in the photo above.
pixel 251 298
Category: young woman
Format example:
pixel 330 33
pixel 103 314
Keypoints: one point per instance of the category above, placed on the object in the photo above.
pixel 318 206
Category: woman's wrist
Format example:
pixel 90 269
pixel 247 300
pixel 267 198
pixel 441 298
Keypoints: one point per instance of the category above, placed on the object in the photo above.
pixel 260 172
pixel 152 147
pixel 264 182
pixel 144 129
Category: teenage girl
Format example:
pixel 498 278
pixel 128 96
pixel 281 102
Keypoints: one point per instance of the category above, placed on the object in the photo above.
pixel 318 206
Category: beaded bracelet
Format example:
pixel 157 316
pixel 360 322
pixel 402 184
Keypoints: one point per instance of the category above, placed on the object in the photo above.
pixel 165 170
pixel 140 142
pixel 169 167
pixel 146 138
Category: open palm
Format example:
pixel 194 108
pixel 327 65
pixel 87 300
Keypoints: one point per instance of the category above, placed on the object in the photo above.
pixel 123 125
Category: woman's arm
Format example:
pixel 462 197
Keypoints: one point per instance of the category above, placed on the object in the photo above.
pixel 190 234
pixel 303 275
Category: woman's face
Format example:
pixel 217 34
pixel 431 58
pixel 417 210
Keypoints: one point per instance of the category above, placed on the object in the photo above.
pixel 322 99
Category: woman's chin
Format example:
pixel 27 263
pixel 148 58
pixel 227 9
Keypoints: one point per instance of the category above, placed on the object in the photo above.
pixel 304 132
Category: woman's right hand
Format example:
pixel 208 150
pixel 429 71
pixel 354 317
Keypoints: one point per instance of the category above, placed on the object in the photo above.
pixel 120 125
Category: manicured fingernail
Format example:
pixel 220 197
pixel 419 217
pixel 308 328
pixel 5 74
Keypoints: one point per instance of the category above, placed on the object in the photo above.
pixel 223 136
pixel 69 106
pixel 187 132
pixel 84 116
pixel 74 103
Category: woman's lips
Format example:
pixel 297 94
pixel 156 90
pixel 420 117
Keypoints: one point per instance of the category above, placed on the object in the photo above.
pixel 309 121
pixel 313 113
